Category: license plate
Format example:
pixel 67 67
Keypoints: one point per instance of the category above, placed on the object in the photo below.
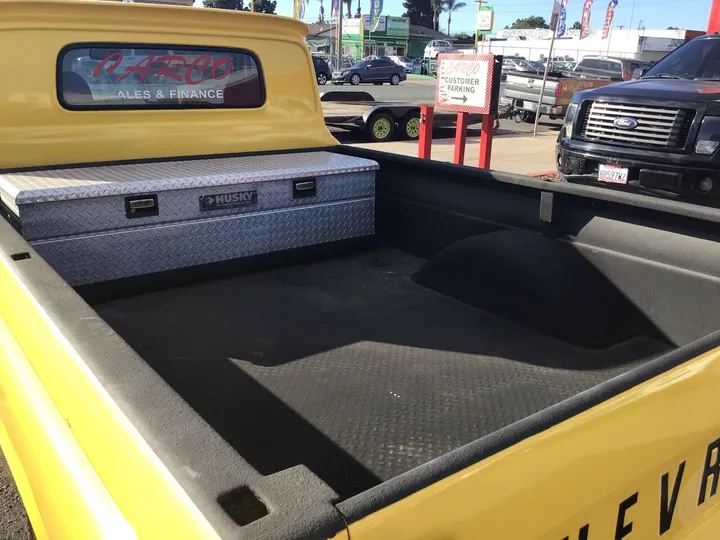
pixel 612 174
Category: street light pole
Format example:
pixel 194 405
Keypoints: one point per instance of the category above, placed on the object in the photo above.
pixel 339 38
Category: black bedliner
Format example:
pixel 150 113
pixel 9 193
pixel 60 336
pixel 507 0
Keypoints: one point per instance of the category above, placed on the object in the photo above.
pixel 351 368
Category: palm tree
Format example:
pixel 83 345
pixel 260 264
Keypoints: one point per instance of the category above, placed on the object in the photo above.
pixel 321 16
pixel 437 8
pixel 449 6
pixel 348 3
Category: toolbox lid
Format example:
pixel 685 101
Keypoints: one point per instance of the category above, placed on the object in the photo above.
pixel 101 181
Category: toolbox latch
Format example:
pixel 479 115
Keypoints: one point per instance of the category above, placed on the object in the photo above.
pixel 141 206
pixel 305 187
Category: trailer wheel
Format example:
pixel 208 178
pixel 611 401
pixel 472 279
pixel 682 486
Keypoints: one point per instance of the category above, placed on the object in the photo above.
pixel 380 127
pixel 410 126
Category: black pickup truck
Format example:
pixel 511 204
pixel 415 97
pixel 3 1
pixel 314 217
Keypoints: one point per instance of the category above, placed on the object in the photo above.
pixel 659 133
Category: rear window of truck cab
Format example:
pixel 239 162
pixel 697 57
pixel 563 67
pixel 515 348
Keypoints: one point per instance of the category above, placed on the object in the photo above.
pixel 97 77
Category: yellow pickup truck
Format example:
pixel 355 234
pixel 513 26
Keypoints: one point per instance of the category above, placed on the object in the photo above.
pixel 216 322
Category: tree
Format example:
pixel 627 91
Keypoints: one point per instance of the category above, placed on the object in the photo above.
pixel 449 6
pixel 358 11
pixel 529 23
pixel 576 25
pixel 420 12
pixel 348 4
pixel 462 36
pixel 673 28
pixel 321 13
pixel 261 6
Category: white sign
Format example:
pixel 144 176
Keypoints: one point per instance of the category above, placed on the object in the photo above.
pixel 464 82
pixel 485 19
pixel 381 24
pixel 351 27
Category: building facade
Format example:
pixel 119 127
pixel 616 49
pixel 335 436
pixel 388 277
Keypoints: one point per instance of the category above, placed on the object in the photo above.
pixel 641 44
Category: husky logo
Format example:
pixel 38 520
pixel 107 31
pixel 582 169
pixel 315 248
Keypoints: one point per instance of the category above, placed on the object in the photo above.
pixel 223 201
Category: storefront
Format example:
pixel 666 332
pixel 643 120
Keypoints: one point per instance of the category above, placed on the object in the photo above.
pixel 388 38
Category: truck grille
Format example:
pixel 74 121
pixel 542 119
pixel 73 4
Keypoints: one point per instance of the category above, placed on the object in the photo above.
pixel 658 127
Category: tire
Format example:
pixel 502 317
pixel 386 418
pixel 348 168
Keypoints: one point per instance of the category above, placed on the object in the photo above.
pixel 355 79
pixel 528 117
pixel 395 79
pixel 380 128
pixel 410 126
pixel 322 78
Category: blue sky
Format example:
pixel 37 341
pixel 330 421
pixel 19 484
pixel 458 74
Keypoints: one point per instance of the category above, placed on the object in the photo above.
pixel 690 14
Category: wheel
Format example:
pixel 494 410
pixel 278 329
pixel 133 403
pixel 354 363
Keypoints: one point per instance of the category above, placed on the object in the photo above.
pixel 322 78
pixel 355 79
pixel 528 117
pixel 395 79
pixel 381 127
pixel 410 126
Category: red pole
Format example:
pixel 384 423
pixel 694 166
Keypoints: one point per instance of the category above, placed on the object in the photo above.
pixel 426 129
pixel 714 19
pixel 460 136
pixel 486 137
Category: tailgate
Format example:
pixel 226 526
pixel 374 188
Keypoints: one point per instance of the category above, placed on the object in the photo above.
pixel 611 472
pixel 527 88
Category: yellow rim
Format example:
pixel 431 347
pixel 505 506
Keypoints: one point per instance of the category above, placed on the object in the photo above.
pixel 381 128
pixel 412 128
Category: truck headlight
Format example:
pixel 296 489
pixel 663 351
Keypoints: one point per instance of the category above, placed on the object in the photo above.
pixel 708 140
pixel 570 115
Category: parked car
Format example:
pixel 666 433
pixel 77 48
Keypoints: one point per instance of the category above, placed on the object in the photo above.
pixel 606 66
pixel 437 46
pixel 322 70
pixel 377 71
pixel 404 61
pixel 515 64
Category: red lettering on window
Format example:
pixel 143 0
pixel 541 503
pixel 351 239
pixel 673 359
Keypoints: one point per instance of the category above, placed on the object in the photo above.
pixel 117 56
pixel 170 66
pixel 222 61
pixel 143 67
pixel 168 70
pixel 198 65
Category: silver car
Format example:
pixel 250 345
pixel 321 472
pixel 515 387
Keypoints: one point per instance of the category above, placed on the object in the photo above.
pixel 405 62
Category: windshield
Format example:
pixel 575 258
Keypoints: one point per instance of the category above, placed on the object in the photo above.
pixel 697 59
pixel 524 64
pixel 405 59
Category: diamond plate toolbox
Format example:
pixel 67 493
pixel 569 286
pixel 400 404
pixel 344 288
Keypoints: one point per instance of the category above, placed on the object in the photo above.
pixel 98 223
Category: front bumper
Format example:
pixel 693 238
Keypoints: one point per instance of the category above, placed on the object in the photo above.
pixel 643 174
pixel 339 77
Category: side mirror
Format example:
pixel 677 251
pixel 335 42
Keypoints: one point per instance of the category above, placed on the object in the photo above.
pixel 639 72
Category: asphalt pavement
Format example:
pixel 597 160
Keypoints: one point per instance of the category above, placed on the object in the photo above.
pixel 411 90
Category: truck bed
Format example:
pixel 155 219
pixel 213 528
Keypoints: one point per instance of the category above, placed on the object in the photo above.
pixel 351 367
pixel 295 392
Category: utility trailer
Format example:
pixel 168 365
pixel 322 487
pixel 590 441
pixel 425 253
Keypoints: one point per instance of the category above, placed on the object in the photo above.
pixel 381 121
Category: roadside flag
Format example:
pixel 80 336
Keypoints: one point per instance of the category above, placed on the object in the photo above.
pixel 376 7
pixel 335 9
pixel 609 16
pixel 561 23
pixel 585 28
pixel 298 8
